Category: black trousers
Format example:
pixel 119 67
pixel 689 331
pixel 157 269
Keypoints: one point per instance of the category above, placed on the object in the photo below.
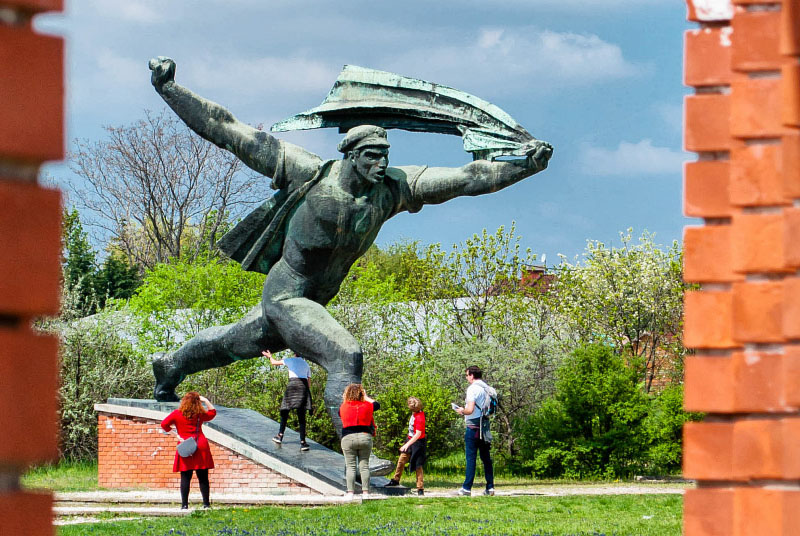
pixel 301 420
pixel 202 479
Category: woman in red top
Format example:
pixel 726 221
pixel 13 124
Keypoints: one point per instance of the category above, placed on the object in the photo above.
pixel 188 420
pixel 358 427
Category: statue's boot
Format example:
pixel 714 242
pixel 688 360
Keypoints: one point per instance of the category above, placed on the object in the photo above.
pixel 213 347
pixel 167 378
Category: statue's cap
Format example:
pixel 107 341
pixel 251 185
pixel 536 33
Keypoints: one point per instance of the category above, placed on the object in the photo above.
pixel 363 136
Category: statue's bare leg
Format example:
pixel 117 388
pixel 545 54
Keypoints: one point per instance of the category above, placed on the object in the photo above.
pixel 312 332
pixel 214 347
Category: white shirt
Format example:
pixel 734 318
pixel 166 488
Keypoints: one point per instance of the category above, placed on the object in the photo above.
pixel 475 393
pixel 298 368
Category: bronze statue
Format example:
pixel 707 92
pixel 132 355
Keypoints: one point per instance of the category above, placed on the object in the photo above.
pixel 324 216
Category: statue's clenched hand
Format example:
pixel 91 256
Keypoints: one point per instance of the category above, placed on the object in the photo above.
pixel 539 155
pixel 163 71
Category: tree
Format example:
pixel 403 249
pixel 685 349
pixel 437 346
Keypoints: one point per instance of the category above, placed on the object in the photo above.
pixel 116 279
pixel 152 185
pixel 630 297
pixel 594 423
pixel 78 265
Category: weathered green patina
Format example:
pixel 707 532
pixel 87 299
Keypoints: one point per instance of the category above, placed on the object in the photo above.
pixel 362 96
pixel 325 215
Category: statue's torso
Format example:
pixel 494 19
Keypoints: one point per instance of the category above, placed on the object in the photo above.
pixel 331 229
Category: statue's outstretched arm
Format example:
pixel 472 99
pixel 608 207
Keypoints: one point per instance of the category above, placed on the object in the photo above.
pixel 437 185
pixel 214 123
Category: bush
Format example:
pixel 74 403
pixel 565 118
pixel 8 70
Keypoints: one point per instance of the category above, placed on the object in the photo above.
pixel 664 426
pixel 593 426
pixel 96 364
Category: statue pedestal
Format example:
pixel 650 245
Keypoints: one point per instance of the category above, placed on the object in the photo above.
pixel 134 453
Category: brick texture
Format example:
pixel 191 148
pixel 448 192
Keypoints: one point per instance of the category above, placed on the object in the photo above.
pixel 29 372
pixel 32 129
pixel 133 453
pixel 706 189
pixel 746 328
pixel 31 244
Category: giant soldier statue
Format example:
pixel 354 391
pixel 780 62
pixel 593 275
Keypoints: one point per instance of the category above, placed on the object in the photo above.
pixel 324 216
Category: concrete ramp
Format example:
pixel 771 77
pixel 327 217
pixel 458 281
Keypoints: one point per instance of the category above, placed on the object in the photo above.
pixel 249 434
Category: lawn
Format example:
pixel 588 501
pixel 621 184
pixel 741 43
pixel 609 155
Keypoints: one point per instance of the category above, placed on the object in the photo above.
pixel 626 515
pixel 65 476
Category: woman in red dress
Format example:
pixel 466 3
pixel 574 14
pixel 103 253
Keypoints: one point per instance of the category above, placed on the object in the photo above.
pixel 188 420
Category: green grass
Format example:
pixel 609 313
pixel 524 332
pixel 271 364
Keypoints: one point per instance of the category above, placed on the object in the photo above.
pixel 64 476
pixel 626 515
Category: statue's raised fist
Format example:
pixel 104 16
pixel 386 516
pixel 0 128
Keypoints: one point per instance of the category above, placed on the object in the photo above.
pixel 539 154
pixel 163 71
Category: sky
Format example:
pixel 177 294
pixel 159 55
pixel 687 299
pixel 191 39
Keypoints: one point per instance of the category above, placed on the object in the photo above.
pixel 601 80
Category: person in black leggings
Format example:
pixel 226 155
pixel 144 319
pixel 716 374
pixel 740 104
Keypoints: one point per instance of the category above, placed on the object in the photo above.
pixel 297 396
pixel 188 421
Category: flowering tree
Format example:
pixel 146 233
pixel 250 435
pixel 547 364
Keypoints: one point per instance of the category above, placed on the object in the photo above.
pixel 630 297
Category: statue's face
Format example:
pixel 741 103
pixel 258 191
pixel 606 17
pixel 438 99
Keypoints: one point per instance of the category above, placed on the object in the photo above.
pixel 371 163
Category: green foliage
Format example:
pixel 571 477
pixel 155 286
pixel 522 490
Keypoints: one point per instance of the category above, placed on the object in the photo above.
pixel 96 364
pixel 78 265
pixel 88 285
pixel 180 298
pixel 630 297
pixel 664 426
pixel 116 279
pixel 594 424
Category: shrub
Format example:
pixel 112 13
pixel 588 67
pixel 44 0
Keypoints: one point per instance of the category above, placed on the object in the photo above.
pixel 593 425
pixel 96 364
pixel 664 426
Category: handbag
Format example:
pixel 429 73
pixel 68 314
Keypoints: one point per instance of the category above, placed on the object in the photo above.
pixel 188 446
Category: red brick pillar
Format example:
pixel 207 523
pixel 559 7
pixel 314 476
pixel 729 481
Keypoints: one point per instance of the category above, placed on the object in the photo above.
pixel 31 132
pixel 744 321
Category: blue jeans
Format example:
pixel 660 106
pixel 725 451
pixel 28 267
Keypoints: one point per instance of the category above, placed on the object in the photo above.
pixel 472 446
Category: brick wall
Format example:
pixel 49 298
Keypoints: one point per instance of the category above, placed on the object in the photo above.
pixel 31 132
pixel 132 453
pixel 744 321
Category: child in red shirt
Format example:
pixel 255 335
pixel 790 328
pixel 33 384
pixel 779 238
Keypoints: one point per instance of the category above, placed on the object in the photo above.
pixel 413 450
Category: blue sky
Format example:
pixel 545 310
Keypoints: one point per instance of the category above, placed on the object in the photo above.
pixel 599 79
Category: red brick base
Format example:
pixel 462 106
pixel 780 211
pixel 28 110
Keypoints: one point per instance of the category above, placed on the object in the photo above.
pixel 132 453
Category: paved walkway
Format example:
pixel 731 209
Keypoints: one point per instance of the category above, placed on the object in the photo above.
pixel 79 507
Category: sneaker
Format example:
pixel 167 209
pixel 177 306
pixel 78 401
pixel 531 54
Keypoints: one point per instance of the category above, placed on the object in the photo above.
pixel 489 492
pixel 464 492
pixel 349 496
pixel 393 482
pixel 420 492
pixel 278 439
pixel 304 446
pixel 206 506
pixel 365 495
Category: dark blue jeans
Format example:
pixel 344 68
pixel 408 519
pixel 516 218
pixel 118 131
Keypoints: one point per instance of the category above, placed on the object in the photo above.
pixel 472 446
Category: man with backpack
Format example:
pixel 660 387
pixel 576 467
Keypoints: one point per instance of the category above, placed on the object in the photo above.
pixel 480 401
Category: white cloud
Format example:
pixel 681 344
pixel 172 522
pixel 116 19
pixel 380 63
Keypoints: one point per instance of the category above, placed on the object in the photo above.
pixel 525 59
pixel 630 159
pixel 259 76
pixel 139 11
